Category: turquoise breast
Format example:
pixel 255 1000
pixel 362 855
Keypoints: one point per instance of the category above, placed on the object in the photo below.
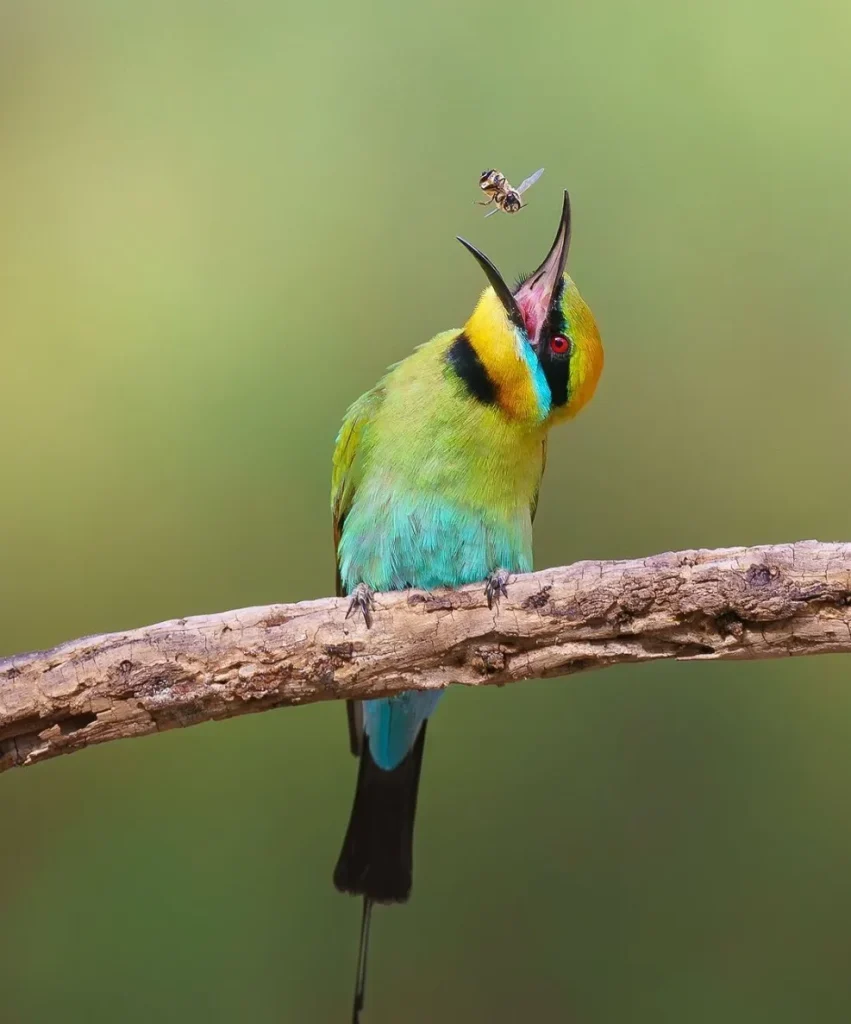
pixel 393 544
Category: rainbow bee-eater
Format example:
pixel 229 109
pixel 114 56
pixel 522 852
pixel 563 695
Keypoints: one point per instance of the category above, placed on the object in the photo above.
pixel 435 484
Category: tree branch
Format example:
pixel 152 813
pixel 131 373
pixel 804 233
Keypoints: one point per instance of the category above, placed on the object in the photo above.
pixel 762 602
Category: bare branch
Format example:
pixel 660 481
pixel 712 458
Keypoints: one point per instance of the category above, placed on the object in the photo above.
pixel 763 602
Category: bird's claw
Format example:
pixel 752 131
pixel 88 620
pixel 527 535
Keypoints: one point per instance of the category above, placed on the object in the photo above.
pixel 496 586
pixel 363 601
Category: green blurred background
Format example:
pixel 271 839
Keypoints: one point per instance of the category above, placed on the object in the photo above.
pixel 220 222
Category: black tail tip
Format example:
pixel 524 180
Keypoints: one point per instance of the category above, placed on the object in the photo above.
pixel 380 882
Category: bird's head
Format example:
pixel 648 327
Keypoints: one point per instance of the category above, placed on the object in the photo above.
pixel 538 344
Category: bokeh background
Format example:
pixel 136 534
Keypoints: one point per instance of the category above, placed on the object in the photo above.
pixel 220 222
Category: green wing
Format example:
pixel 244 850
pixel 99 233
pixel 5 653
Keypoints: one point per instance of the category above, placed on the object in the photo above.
pixel 345 476
pixel 346 465
pixel 533 508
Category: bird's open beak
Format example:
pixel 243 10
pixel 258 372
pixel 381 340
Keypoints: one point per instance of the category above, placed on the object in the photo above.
pixel 529 306
pixel 502 290
pixel 538 295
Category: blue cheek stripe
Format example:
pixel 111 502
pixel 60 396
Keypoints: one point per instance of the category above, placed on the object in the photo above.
pixel 536 372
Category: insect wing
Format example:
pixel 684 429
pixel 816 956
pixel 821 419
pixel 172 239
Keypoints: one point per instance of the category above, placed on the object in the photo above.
pixel 493 211
pixel 530 181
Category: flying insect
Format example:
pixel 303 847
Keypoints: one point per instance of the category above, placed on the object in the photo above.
pixel 500 191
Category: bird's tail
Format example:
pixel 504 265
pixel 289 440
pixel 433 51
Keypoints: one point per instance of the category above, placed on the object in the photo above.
pixel 377 856
pixel 376 861
pixel 363 949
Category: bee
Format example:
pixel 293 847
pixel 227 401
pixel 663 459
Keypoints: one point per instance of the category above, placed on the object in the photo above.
pixel 507 198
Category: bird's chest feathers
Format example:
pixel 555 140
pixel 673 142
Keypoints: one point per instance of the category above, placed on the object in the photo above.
pixel 414 540
pixel 443 504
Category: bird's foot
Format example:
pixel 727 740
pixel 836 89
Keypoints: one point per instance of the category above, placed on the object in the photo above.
pixel 363 601
pixel 496 586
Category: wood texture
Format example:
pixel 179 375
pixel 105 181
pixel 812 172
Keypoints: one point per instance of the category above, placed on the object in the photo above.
pixel 762 602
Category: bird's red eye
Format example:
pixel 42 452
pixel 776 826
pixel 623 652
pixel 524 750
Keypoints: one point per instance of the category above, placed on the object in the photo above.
pixel 559 344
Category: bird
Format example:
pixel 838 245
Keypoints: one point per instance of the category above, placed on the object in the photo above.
pixel 435 481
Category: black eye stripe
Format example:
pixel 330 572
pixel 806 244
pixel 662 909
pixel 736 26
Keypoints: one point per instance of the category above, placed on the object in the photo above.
pixel 556 365
pixel 557 372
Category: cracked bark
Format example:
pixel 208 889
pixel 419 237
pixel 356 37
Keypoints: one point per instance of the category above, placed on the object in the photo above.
pixel 762 602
